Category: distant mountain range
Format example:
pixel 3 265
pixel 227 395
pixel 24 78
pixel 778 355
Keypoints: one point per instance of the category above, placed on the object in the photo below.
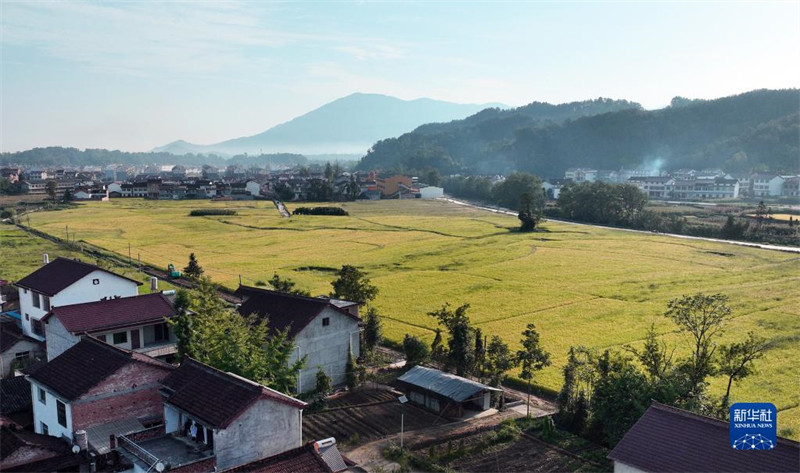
pixel 349 125
pixel 755 131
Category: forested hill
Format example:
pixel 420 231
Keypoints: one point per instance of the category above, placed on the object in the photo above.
pixel 58 156
pixel 758 130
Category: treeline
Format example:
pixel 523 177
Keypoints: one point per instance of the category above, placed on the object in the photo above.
pixel 334 211
pixel 755 131
pixel 623 205
pixel 60 156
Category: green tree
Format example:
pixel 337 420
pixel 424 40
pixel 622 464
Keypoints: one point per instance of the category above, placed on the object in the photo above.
pixel 763 214
pixel 323 384
pixel 353 285
pixel 480 352
pixel 531 358
pixel 460 342
pixel 736 361
pixel 52 189
pixel 287 286
pixel 613 412
pixel 373 331
pixel 193 270
pixel 351 372
pixel 437 349
pixel 529 214
pixel 732 230
pixel 320 190
pixel 416 351
pixel 703 317
pixel 182 325
pixel 654 356
pixel 432 177
pixel 243 345
pixel 329 171
pixel 499 359
pixel 353 188
pixel 507 193
pixel 67 195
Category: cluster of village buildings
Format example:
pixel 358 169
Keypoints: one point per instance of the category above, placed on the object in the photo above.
pixel 97 389
pixel 688 184
pixel 90 383
pixel 233 183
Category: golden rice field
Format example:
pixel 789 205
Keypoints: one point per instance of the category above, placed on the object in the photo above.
pixel 578 284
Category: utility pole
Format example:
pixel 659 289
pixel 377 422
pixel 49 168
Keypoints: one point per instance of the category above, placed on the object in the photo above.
pixel 129 253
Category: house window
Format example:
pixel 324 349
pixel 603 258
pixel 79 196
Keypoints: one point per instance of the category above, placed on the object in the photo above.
pixel 35 299
pixel 120 338
pixel 36 327
pixel 46 301
pixel 62 413
pixel 43 428
pixel 326 321
pixel 27 317
pixel 22 355
pixel 95 282
pixel 42 396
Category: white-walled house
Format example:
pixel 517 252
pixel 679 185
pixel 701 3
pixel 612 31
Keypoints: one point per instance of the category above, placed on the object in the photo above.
pixel 136 323
pixel 65 282
pixel 93 384
pixel 767 185
pixel 16 349
pixel 326 331
pixel 253 188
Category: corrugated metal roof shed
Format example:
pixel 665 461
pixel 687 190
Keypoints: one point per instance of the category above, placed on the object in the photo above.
pixel 445 384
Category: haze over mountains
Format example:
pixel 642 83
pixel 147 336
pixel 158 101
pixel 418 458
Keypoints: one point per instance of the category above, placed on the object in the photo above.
pixel 349 125
pixel 754 131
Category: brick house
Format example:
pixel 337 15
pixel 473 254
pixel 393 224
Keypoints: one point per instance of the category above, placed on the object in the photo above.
pixel 136 323
pixel 92 384
pixel 64 282
pixel 326 331
pixel 215 420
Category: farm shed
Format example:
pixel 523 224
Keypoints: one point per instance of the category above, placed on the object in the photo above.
pixel 444 392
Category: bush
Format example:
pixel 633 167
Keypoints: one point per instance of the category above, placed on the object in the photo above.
pixel 204 212
pixel 335 211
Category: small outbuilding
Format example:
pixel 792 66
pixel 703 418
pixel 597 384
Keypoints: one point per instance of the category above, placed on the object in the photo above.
pixel 445 393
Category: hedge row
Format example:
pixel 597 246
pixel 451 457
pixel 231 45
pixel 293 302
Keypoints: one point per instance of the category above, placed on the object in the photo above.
pixel 204 212
pixel 338 211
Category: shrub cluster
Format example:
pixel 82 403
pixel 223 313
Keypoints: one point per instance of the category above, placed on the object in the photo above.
pixel 204 212
pixel 336 211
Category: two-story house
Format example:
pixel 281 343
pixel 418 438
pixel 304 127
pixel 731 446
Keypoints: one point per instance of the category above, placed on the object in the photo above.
pixel 16 349
pixel 326 331
pixel 136 323
pixel 93 390
pixel 64 282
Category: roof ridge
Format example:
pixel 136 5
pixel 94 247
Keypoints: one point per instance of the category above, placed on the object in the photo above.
pixel 287 294
pixel 104 301
pixel 225 374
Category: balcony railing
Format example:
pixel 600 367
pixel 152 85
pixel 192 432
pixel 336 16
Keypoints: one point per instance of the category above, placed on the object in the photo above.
pixel 137 451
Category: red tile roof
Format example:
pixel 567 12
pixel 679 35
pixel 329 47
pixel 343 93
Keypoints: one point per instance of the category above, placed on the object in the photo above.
pixel 286 311
pixel 86 364
pixel 113 313
pixel 10 334
pixel 670 439
pixel 59 274
pixel 216 397
pixel 303 459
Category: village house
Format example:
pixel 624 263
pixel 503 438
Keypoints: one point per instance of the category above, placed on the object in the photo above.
pixel 666 438
pixel 215 420
pixel 654 187
pixel 136 323
pixel 65 282
pixel 767 185
pixel 326 331
pixel 17 350
pixel 581 174
pixel 791 186
pixel 391 187
pixel 445 393
pixel 706 189
pixel 93 390
pixel 313 457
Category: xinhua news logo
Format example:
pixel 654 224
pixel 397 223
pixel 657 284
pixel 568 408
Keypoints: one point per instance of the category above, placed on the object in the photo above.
pixel 753 426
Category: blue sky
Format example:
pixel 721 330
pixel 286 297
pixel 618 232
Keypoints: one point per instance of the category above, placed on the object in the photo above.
pixel 136 75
